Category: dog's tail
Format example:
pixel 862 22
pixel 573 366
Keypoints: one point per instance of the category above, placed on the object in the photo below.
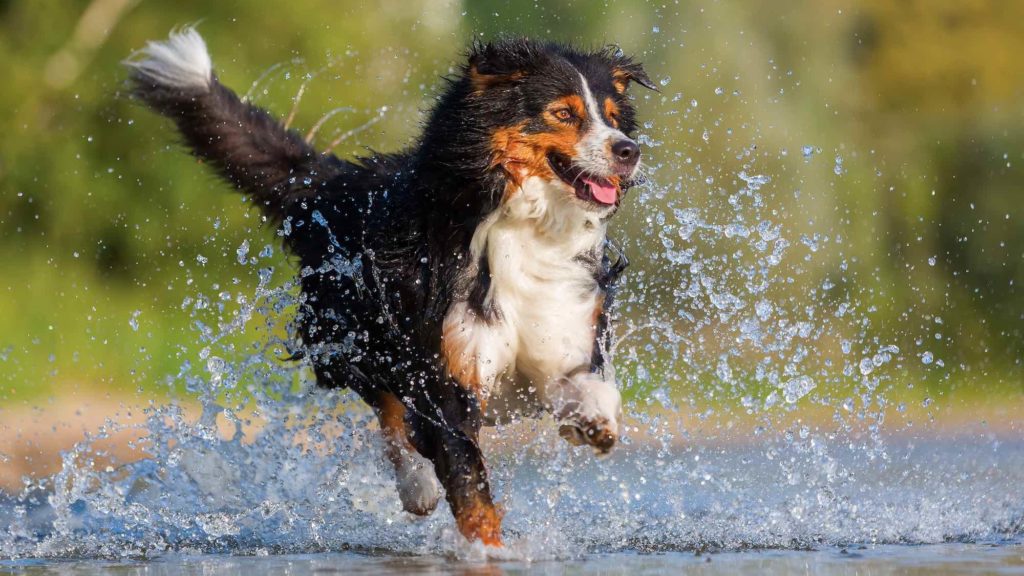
pixel 248 147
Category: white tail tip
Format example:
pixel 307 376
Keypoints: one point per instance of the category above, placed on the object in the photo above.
pixel 181 61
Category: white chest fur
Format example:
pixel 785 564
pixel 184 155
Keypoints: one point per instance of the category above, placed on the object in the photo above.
pixel 544 294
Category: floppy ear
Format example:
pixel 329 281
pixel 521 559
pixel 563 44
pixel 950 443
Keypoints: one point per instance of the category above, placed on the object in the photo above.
pixel 625 70
pixel 495 64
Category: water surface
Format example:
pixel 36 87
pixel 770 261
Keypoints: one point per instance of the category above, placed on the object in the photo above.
pixel 938 506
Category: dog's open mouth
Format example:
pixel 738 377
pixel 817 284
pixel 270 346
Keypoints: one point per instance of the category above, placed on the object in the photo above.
pixel 588 188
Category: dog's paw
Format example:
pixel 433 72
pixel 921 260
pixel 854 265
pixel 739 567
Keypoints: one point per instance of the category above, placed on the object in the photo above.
pixel 588 410
pixel 418 488
pixel 599 433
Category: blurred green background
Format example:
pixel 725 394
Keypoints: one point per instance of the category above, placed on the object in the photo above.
pixel 105 227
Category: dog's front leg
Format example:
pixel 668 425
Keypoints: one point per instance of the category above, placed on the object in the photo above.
pixel 588 409
pixel 417 485
pixel 446 431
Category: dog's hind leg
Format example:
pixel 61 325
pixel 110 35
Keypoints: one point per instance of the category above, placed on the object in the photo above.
pixel 447 433
pixel 417 485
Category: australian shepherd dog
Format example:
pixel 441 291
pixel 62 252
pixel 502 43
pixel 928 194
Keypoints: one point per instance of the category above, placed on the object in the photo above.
pixel 460 282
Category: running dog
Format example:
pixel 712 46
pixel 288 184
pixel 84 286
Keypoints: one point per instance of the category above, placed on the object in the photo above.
pixel 460 282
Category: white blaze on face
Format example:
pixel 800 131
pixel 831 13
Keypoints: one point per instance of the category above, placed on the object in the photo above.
pixel 593 149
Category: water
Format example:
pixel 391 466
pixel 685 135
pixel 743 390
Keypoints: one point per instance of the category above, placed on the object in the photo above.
pixel 562 505
pixel 876 560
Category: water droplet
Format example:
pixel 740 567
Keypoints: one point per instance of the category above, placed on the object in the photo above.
pixel 754 181
pixel 866 366
pixel 243 252
pixel 797 388
pixel 319 218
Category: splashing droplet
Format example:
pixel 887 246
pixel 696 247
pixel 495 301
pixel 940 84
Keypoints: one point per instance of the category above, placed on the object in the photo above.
pixel 242 253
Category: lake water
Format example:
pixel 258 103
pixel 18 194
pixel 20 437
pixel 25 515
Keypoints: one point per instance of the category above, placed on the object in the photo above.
pixel 933 507
pixel 876 560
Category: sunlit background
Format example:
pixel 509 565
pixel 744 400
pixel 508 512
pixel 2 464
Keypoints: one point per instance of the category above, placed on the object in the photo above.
pixel 887 140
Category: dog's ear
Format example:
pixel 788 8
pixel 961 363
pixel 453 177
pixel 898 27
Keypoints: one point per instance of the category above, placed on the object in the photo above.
pixel 621 77
pixel 625 70
pixel 499 63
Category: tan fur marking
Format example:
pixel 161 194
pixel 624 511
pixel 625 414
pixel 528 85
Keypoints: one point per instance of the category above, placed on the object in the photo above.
pixel 611 112
pixel 620 79
pixel 482 82
pixel 573 102
pixel 523 155
pixel 462 365
pixel 391 413
pixel 480 520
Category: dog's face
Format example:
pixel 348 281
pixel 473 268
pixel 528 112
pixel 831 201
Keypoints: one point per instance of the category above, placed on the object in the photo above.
pixel 560 115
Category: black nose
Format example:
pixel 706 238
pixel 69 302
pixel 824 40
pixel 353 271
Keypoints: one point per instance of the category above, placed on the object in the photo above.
pixel 626 152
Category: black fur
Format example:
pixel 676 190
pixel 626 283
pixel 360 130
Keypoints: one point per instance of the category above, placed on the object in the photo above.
pixel 382 239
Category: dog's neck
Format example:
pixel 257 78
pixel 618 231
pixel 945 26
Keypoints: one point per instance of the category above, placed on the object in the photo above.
pixel 540 240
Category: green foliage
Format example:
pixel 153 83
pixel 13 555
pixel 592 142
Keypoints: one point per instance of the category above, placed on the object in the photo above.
pixel 103 220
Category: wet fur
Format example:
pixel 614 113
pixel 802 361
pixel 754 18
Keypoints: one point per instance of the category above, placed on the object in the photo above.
pixel 387 240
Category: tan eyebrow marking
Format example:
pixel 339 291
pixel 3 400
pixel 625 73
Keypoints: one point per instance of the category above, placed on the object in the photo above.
pixel 573 102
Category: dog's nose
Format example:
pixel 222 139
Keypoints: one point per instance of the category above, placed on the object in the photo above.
pixel 626 153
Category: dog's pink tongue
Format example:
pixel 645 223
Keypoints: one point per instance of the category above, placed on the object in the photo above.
pixel 602 191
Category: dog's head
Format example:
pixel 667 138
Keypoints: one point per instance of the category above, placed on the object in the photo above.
pixel 559 114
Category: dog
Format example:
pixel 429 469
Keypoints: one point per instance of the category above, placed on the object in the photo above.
pixel 463 281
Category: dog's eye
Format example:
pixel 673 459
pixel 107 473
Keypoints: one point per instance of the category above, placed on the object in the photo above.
pixel 563 114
